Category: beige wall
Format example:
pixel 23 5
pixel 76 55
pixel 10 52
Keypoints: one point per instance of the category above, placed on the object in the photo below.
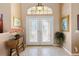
pixel 15 12
pixel 72 37
pixel 75 34
pixel 9 11
pixel 5 9
pixel 56 14
pixel 66 10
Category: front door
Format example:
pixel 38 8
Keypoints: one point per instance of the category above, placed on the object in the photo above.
pixel 39 30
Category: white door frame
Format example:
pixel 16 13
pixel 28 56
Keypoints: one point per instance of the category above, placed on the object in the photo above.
pixel 38 43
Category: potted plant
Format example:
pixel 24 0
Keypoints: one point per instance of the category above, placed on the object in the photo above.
pixel 59 38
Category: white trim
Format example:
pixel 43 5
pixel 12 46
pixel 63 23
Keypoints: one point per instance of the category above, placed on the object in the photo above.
pixel 75 54
pixel 72 54
pixel 67 51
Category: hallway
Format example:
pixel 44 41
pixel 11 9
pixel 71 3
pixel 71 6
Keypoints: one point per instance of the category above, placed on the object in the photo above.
pixel 44 51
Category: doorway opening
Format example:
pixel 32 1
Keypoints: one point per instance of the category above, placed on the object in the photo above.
pixel 39 25
pixel 39 30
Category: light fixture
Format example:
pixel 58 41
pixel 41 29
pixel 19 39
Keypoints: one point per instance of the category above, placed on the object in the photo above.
pixel 39 6
pixel 39 9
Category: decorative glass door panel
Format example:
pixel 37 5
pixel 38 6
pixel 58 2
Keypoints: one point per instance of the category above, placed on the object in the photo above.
pixel 45 31
pixel 33 31
pixel 38 30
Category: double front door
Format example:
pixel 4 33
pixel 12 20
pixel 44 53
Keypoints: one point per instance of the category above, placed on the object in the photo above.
pixel 39 30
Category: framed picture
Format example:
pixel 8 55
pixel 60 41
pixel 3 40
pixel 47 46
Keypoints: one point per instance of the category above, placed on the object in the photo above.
pixel 65 23
pixel 16 22
pixel 77 22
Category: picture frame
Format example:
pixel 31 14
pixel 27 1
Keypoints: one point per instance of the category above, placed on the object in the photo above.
pixel 77 22
pixel 16 22
pixel 65 23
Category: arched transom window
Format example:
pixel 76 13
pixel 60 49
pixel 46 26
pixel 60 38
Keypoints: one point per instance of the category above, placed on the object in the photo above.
pixel 39 9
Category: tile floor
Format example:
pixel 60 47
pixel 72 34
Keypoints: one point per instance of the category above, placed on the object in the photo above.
pixel 44 51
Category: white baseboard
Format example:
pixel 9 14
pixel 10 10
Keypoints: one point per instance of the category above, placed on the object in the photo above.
pixel 67 51
pixel 72 54
pixel 75 54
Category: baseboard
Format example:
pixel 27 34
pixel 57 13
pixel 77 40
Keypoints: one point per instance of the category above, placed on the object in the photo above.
pixel 75 54
pixel 72 54
pixel 67 51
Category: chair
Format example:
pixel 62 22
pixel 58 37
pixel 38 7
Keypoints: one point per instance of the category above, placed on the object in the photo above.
pixel 15 45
